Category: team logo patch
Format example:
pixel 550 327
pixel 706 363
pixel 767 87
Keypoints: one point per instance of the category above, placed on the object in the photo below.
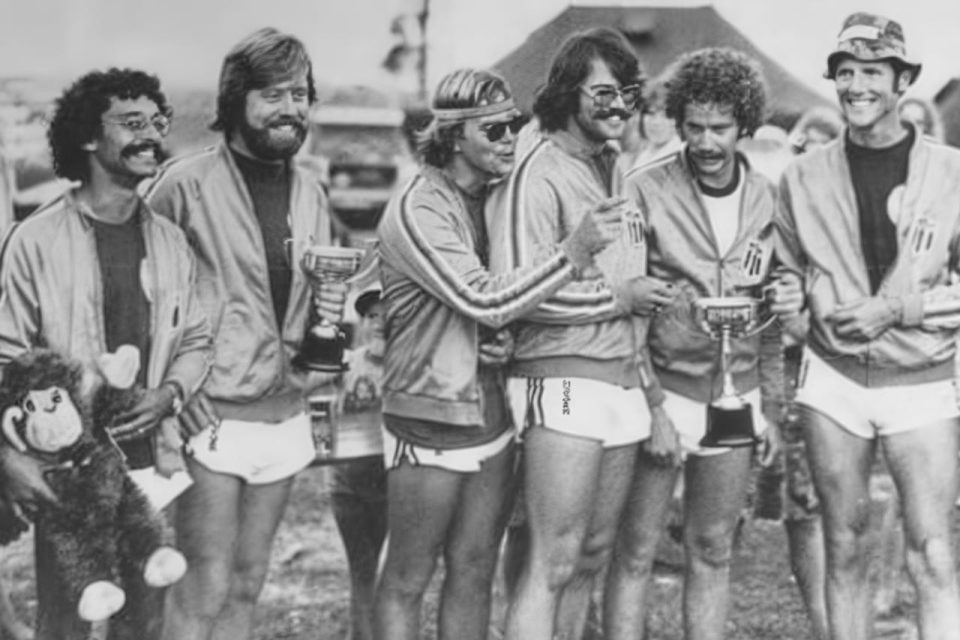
pixel 636 231
pixel 754 263
pixel 924 233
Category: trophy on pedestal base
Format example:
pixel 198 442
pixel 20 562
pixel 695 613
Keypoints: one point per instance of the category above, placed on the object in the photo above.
pixel 324 342
pixel 729 417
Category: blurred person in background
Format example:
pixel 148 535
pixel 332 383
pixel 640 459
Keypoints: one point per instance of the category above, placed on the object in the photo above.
pixel 358 487
pixel 658 131
pixel 448 436
pixel 249 211
pixel 924 115
pixel 816 127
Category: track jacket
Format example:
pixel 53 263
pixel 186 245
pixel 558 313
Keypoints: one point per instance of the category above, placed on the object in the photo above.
pixel 683 250
pixel 438 295
pixel 819 234
pixel 53 298
pixel 582 330
pixel 204 193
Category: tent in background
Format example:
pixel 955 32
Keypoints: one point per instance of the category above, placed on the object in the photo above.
pixel 659 35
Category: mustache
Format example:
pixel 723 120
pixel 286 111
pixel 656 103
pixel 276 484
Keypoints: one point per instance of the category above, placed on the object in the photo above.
pixel 134 148
pixel 606 114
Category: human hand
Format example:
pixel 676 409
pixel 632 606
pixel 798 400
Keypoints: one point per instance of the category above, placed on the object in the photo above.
pixel 864 319
pixel 646 295
pixel 600 226
pixel 145 415
pixel 785 293
pixel 22 485
pixel 198 414
pixel 496 350
pixel 771 444
pixel 329 299
pixel 663 445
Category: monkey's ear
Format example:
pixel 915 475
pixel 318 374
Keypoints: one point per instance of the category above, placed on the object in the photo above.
pixel 11 417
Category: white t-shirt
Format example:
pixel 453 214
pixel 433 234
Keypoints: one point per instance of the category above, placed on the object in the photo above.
pixel 724 214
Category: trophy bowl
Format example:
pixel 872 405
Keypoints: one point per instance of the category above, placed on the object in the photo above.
pixel 730 416
pixel 323 343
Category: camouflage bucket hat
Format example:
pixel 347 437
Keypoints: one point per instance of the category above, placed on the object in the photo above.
pixel 869 38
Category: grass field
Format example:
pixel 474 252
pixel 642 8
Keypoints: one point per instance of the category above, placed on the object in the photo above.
pixel 306 595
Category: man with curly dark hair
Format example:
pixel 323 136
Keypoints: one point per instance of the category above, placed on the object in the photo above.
pixel 96 269
pixel 872 219
pixel 707 217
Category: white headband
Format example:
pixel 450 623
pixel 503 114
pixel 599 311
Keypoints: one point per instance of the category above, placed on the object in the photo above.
pixel 461 115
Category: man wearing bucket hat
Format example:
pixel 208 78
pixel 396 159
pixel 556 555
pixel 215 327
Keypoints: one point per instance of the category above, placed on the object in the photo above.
pixel 873 222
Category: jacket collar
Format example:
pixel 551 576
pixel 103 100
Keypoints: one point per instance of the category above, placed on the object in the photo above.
pixel 85 214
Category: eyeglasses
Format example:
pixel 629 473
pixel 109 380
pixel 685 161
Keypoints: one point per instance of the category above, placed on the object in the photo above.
pixel 604 95
pixel 497 130
pixel 138 123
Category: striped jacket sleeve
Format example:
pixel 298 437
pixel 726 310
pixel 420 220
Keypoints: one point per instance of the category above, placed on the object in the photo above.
pixel 524 221
pixel 424 233
pixel 937 307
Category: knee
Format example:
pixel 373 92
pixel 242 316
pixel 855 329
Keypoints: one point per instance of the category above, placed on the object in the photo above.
pixel 931 560
pixel 247 580
pixel 476 565
pixel 845 540
pixel 712 549
pixel 561 562
pixel 596 552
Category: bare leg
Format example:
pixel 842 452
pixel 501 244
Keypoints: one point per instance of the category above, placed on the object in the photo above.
pixel 808 564
pixel 207 524
pixel 616 473
pixel 473 543
pixel 261 510
pixel 840 463
pixel 716 487
pixel 9 622
pixel 628 580
pixel 923 463
pixel 421 503
pixel 561 478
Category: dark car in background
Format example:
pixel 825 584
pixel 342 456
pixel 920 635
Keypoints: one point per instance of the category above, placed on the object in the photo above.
pixel 361 154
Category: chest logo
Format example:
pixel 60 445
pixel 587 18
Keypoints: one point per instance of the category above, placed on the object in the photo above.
pixel 635 231
pixel 923 235
pixel 753 266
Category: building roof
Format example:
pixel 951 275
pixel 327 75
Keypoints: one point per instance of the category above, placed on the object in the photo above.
pixel 659 35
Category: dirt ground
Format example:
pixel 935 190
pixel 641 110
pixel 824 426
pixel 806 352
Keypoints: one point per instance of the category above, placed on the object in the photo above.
pixel 306 596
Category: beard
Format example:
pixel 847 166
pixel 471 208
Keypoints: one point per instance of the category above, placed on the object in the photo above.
pixel 270 142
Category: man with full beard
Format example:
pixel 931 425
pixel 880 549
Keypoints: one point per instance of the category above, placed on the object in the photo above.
pixel 242 203
pixel 88 272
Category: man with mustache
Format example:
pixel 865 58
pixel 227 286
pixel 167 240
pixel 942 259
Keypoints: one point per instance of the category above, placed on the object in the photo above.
pixel 873 219
pixel 708 218
pixel 578 377
pixel 96 269
pixel 242 203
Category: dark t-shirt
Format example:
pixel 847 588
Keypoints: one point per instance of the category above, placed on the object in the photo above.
pixel 269 187
pixel 126 310
pixel 875 174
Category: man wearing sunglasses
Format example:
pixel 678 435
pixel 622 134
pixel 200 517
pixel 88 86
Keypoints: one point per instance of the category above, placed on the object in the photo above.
pixel 575 385
pixel 448 437
pixel 93 270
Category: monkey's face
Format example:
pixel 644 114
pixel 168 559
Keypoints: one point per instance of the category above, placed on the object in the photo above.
pixel 50 421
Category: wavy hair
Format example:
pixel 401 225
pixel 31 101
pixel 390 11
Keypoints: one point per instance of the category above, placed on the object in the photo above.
pixel 460 89
pixel 78 113
pixel 560 98
pixel 718 76
pixel 263 58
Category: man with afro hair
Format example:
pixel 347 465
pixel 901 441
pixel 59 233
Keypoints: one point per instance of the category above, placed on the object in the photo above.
pixel 95 269
pixel 707 217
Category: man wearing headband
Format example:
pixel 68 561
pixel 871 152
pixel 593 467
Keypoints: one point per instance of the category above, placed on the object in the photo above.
pixel 708 217
pixel 574 385
pixel 243 204
pixel 873 222
pixel 448 436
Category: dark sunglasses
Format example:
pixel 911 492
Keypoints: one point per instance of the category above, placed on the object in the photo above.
pixel 605 95
pixel 497 130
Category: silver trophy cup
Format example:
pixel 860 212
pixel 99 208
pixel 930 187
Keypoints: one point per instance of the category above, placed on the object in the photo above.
pixel 730 416
pixel 323 343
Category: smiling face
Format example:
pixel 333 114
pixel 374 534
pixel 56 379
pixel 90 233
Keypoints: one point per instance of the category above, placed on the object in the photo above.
pixel 592 123
pixel 711 133
pixel 274 123
pixel 868 93
pixel 489 159
pixel 124 154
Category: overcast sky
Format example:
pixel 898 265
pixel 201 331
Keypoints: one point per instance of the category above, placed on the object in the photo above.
pixel 184 40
